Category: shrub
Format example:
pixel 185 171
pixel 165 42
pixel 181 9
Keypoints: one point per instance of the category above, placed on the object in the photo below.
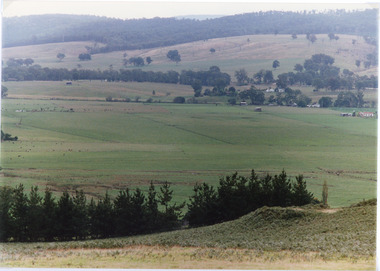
pixel 179 100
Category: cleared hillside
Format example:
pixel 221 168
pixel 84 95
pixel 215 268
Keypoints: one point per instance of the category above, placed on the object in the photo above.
pixel 269 238
pixel 251 52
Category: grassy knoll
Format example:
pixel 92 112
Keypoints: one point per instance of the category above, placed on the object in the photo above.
pixel 98 146
pixel 253 52
pixel 269 238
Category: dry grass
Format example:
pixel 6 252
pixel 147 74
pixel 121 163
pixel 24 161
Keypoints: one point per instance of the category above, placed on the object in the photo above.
pixel 160 257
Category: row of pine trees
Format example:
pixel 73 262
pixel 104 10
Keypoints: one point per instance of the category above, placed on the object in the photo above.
pixel 42 217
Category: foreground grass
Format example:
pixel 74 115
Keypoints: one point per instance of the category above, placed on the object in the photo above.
pixel 269 238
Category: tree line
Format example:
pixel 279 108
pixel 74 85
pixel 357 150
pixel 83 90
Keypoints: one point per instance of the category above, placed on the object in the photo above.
pixel 117 34
pixel 36 217
pixel 213 77
pixel 44 218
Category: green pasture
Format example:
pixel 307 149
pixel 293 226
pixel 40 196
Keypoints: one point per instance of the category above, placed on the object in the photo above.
pixel 97 90
pixel 98 146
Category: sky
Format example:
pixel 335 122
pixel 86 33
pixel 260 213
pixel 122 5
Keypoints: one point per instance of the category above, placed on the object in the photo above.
pixel 127 9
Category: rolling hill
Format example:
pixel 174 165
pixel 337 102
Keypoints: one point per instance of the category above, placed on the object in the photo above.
pixel 269 238
pixel 251 52
pixel 149 33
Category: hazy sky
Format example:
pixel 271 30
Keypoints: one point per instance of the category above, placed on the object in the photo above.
pixel 126 9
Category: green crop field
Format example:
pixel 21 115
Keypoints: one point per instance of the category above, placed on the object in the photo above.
pixel 99 146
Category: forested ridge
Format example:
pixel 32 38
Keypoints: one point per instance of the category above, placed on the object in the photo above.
pixel 119 34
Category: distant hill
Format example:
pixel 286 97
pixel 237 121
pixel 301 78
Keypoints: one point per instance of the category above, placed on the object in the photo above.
pixel 120 34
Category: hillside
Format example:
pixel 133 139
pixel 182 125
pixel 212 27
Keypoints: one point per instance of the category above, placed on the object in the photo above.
pixel 252 52
pixel 149 33
pixel 269 238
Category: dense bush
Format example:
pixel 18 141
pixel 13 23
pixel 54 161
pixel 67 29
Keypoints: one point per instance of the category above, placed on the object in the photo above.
pixel 238 195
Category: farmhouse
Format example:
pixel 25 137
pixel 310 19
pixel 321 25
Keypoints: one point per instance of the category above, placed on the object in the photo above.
pixel 315 105
pixel 243 103
pixel 270 90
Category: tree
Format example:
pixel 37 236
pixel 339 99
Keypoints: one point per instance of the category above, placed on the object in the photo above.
pixel 174 56
pixel 203 206
pixel 172 212
pixel 6 219
pixel 331 36
pixel 298 67
pixel 212 50
pixel 80 215
pixel 268 77
pixel 313 38
pixel 84 57
pixel 28 61
pixel 49 208
pixel 197 87
pixel 61 56
pixel 4 91
pixel 294 36
pixel 149 60
pixel 325 193
pixel 346 99
pixel 357 63
pixel 20 214
pixel 325 102
pixel 300 194
pixel 276 64
pixel 256 96
pixel 152 211
pixel 64 220
pixel 35 215
pixel 179 100
pixel 241 76
pixel 136 61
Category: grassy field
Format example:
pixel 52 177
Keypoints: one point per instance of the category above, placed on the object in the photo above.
pixel 253 52
pixel 98 146
pixel 269 238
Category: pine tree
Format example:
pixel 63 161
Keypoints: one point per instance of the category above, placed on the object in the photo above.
pixel 80 215
pixel 49 219
pixel 6 220
pixel 325 193
pixel 65 214
pixel 20 214
pixel 152 209
pixel 123 213
pixel 35 215
pixel 300 194
pixel 171 215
